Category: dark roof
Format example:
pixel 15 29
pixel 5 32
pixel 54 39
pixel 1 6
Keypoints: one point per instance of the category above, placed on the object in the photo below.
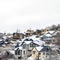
pixel 46 48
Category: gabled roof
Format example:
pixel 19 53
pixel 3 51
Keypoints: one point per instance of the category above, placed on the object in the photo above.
pixel 48 35
pixel 27 39
pixel 34 37
pixel 39 48
pixel 45 48
pixel 4 37
pixel 42 49
pixel 0 39
pixel 50 32
pixel 56 33
pixel 38 42
pixel 20 48
pixel 27 42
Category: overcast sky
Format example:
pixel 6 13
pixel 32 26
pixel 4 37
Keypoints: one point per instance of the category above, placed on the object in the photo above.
pixel 26 14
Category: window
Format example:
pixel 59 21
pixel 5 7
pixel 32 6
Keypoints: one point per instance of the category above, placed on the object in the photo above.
pixel 31 45
pixel 18 52
pixel 15 52
pixel 53 40
pixel 33 52
pixel 39 53
pixel 24 46
pixel 43 53
pixel 24 52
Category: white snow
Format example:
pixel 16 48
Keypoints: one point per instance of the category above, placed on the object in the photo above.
pixel 51 32
pixel 20 47
pixel 39 42
pixel 0 39
pixel 51 45
pixel 34 37
pixel 12 51
pixel 56 33
pixel 30 58
pixel 48 35
pixel 4 37
pixel 27 42
pixel 39 48
pixel 18 41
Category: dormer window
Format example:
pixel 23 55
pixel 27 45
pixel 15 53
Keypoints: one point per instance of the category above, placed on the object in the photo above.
pixel 33 52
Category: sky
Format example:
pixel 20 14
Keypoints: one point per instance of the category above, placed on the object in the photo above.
pixel 28 14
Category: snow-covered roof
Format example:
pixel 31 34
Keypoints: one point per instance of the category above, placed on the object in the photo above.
pixel 27 42
pixel 18 41
pixel 9 36
pixel 0 39
pixel 47 39
pixel 31 38
pixel 51 32
pixel 12 41
pixel 55 48
pixel 51 45
pixel 39 42
pixel 4 37
pixel 31 58
pixel 39 48
pixel 48 35
pixel 56 32
pixel 20 47
pixel 24 39
pixel 34 37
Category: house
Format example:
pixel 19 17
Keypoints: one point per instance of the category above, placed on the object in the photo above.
pixel 39 52
pixel 7 37
pixel 29 32
pixel 33 43
pixel 21 53
pixel 56 35
pixel 26 45
pixel 47 38
pixel 1 35
pixel 18 52
pixel 36 40
pixel 3 43
pixel 7 55
pixel 18 35
pixel 43 31
pixel 50 32
pixel 38 43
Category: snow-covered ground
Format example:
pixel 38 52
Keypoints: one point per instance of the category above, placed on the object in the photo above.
pixel 30 58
